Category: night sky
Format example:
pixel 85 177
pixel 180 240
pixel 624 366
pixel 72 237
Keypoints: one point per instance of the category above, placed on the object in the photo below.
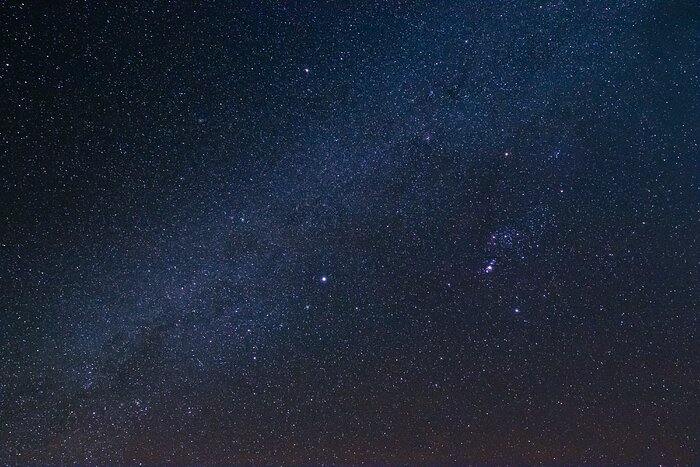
pixel 349 232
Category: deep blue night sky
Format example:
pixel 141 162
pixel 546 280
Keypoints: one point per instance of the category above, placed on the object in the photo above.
pixel 349 232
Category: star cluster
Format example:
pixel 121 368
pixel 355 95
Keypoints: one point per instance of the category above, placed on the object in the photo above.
pixel 349 232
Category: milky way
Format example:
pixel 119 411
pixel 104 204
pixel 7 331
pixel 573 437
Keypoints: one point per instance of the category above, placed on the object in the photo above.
pixel 349 232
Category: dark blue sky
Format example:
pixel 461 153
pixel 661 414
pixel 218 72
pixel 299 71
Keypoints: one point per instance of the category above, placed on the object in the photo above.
pixel 347 232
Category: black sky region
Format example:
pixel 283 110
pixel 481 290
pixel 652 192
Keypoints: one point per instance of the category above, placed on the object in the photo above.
pixel 349 232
